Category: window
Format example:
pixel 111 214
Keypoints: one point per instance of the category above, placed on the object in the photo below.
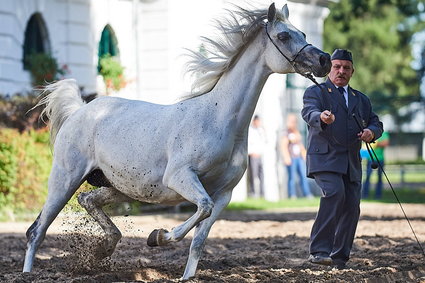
pixel 108 44
pixel 36 38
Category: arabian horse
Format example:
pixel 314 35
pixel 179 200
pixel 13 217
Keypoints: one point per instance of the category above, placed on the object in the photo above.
pixel 194 150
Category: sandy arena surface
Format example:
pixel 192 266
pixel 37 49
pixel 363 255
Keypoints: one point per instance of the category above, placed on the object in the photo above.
pixel 246 246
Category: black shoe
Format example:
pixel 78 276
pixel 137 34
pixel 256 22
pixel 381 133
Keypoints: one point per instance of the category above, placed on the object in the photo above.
pixel 338 264
pixel 319 259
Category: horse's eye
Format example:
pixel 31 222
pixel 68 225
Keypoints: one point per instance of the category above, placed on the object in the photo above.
pixel 283 36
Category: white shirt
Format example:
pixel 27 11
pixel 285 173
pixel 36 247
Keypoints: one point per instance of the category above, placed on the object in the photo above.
pixel 256 140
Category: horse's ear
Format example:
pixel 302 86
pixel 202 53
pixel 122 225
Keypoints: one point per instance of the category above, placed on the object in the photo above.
pixel 285 11
pixel 271 16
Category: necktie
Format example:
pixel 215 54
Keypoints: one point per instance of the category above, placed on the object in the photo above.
pixel 342 91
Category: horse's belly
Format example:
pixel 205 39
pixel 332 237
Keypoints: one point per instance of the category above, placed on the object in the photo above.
pixel 151 193
pixel 142 184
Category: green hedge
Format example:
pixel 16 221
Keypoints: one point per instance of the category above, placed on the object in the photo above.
pixel 25 162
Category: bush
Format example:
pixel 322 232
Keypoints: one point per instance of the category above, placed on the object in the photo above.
pixel 44 68
pixel 15 112
pixel 112 72
pixel 25 162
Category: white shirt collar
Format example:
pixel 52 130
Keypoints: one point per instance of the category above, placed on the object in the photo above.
pixel 345 88
pixel 345 93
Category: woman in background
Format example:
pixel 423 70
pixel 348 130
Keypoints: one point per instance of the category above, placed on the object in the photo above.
pixel 293 154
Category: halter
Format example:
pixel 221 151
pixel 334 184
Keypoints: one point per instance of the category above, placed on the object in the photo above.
pixel 291 61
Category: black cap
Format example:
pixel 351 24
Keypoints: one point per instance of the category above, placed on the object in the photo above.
pixel 342 54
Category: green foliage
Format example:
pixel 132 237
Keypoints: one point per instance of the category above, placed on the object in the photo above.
pixel 25 162
pixel 44 68
pixel 112 72
pixel 8 174
pixel 378 32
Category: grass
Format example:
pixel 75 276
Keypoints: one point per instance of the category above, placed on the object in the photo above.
pixel 396 177
pixel 405 195
pixel 410 174
pixel 262 204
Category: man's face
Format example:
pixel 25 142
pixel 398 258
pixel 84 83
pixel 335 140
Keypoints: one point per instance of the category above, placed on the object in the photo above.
pixel 341 72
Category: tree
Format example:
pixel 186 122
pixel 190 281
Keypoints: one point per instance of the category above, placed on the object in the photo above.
pixel 378 32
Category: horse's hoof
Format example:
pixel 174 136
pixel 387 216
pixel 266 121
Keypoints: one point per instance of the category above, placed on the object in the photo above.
pixel 157 238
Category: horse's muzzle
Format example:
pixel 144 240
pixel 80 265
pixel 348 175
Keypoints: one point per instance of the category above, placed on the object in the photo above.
pixel 315 61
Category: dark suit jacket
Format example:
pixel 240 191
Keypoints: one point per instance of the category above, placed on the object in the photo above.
pixel 336 147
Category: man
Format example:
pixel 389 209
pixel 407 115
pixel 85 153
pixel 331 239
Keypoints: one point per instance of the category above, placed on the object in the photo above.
pixel 333 158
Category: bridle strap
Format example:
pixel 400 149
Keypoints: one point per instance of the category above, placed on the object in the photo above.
pixel 291 61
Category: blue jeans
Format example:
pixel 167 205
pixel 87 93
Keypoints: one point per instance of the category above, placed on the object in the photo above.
pixel 297 167
pixel 366 185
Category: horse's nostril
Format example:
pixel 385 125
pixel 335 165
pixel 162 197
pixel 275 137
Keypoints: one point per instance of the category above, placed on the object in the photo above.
pixel 324 59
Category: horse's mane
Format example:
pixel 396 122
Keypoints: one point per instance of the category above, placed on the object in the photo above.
pixel 217 56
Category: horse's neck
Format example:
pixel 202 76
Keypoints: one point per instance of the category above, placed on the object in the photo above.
pixel 239 88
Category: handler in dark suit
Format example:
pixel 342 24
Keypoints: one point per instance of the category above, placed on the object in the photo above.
pixel 333 158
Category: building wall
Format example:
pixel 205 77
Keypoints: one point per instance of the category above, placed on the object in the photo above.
pixel 69 28
pixel 73 39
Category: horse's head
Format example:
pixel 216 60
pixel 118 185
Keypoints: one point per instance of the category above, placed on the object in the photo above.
pixel 287 49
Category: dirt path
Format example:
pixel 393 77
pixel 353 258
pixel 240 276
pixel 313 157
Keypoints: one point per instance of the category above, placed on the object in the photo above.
pixel 242 247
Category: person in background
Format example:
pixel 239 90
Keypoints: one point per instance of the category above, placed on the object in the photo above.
pixel 293 154
pixel 379 147
pixel 333 158
pixel 256 144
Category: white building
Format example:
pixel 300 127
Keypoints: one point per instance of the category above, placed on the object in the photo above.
pixel 150 37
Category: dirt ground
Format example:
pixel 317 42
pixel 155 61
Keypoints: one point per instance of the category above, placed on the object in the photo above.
pixel 247 246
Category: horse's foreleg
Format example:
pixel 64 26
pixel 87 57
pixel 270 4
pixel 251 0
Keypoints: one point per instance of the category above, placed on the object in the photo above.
pixel 93 202
pixel 187 184
pixel 221 200
pixel 62 185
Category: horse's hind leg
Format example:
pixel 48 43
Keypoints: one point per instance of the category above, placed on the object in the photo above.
pixel 62 185
pixel 187 184
pixel 93 202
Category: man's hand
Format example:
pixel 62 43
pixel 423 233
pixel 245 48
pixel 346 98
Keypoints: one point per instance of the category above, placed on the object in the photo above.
pixel 366 135
pixel 327 117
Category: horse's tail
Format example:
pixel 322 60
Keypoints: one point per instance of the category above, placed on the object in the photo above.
pixel 63 99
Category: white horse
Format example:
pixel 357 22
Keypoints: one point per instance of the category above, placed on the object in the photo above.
pixel 194 150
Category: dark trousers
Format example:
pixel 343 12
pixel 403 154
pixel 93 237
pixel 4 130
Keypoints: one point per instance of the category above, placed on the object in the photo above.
pixel 255 167
pixel 336 221
pixel 379 184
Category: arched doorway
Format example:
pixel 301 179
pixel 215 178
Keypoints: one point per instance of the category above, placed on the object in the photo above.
pixel 36 39
pixel 108 44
